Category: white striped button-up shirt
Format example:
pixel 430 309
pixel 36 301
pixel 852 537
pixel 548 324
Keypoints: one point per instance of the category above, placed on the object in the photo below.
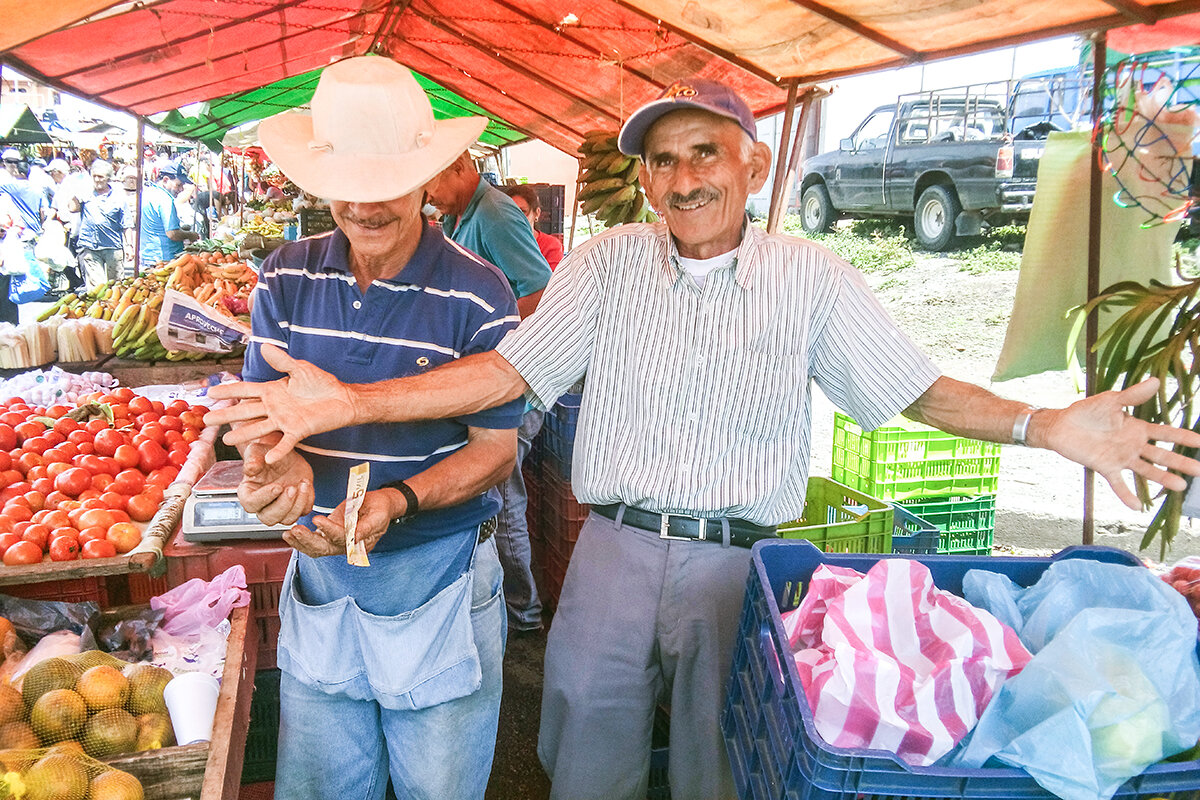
pixel 697 401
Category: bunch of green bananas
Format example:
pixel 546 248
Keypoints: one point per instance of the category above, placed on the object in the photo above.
pixel 608 181
pixel 110 300
pixel 134 335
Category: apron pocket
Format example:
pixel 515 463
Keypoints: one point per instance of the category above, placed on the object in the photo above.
pixel 309 636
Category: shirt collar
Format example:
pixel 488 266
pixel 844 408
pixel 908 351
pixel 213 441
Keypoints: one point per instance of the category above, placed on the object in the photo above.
pixel 480 189
pixel 743 265
pixel 418 270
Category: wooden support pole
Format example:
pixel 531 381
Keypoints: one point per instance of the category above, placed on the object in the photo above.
pixel 137 214
pixel 773 215
pixel 1095 199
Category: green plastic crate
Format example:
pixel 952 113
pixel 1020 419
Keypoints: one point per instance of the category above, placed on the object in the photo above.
pixel 904 460
pixel 838 519
pixel 263 735
pixel 967 523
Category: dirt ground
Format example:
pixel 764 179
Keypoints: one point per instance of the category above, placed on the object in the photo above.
pixel 960 320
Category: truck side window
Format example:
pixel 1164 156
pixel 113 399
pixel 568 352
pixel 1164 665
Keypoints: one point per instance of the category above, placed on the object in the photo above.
pixel 873 133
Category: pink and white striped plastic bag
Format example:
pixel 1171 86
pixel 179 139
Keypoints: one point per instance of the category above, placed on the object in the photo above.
pixel 889 661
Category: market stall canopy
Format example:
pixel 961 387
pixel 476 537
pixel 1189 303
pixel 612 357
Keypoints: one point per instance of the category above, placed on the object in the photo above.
pixel 18 125
pixel 551 69
pixel 220 115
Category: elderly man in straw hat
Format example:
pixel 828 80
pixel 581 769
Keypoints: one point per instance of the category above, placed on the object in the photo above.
pixel 392 668
pixel 700 339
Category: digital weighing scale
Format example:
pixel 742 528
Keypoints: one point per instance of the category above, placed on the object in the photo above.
pixel 212 512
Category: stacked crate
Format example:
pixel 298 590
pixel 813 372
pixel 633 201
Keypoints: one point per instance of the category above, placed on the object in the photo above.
pixel 937 477
pixel 559 515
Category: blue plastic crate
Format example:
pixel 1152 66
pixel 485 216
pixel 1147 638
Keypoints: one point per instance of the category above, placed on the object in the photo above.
pixel 773 746
pixel 558 433
pixel 911 534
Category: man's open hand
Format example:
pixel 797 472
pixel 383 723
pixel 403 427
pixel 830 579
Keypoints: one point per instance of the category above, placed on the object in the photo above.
pixel 308 400
pixel 329 538
pixel 1097 433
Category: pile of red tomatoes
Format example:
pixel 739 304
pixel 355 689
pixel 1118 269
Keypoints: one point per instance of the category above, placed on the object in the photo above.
pixel 73 481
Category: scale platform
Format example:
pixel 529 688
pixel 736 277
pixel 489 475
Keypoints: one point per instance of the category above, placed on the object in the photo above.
pixel 213 514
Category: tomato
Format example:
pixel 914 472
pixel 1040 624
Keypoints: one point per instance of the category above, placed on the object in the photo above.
pixel 126 456
pixel 124 536
pixel 114 500
pixel 97 426
pixel 29 429
pixel 40 516
pixel 38 444
pixel 67 531
pixel 149 418
pixel 87 448
pixel 123 394
pixel 108 440
pixel 79 437
pixel 56 468
pixel 56 519
pixel 128 482
pixel 54 438
pixel 57 454
pixel 64 548
pixel 120 515
pixel 55 499
pixel 44 485
pixel 23 553
pixel 174 438
pixel 140 405
pixel 96 517
pixel 157 406
pixel 119 410
pixel 8 436
pixel 26 461
pixel 141 507
pixel 38 534
pixel 99 548
pixel 18 513
pixel 177 407
pixel 12 418
pixel 94 464
pixel 177 457
pixel 35 499
pixel 191 419
pixel 74 481
pixel 151 456
pixel 68 505
pixel 7 540
pixel 65 426
pixel 57 411
pixel 88 534
pixel 8 493
pixel 101 481
pixel 11 476
pixel 154 432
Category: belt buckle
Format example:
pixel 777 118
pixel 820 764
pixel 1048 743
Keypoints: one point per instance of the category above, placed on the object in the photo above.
pixel 664 530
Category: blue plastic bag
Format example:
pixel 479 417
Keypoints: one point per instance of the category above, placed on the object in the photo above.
pixel 31 284
pixel 1114 685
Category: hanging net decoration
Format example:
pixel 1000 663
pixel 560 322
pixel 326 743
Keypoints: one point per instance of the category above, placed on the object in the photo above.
pixel 1150 134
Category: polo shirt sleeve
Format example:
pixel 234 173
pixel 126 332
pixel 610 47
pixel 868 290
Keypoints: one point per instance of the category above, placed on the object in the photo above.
pixel 552 347
pixel 510 245
pixel 267 324
pixel 490 328
pixel 865 364
pixel 170 215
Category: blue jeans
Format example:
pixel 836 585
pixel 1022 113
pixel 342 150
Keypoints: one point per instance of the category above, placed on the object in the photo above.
pixel 338 747
pixel 512 536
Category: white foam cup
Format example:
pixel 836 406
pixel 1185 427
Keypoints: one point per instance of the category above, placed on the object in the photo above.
pixel 191 699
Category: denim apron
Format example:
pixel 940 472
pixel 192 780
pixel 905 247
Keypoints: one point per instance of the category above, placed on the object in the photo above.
pixel 398 632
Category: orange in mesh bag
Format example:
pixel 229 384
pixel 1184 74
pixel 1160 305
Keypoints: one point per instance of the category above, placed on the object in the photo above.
pixel 63 772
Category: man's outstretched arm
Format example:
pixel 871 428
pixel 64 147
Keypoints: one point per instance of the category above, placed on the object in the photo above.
pixel 309 400
pixel 1095 431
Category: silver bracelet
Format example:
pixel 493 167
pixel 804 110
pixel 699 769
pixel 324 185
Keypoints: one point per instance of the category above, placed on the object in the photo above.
pixel 1020 427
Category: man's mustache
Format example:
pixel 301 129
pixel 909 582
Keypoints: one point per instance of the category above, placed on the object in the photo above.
pixel 695 196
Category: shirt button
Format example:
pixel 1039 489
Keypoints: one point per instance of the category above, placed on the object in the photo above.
pixel 357 304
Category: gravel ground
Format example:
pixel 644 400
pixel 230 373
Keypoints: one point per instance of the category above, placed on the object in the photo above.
pixel 960 320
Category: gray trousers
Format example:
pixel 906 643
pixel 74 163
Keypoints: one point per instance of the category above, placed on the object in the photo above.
pixel 640 619
pixel 99 266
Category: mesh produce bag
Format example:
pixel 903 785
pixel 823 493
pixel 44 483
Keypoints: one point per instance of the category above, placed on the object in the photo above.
pixel 63 772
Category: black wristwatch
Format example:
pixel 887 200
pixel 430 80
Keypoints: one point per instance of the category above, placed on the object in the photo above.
pixel 410 499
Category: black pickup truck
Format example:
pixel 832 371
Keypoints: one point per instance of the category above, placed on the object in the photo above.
pixel 946 159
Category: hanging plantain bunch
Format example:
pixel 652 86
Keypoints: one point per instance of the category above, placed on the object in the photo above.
pixel 1158 335
pixel 608 181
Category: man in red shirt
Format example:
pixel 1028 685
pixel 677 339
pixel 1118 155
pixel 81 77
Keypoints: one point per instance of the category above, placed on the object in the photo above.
pixel 526 198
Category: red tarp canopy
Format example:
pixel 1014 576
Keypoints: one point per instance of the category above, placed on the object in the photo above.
pixel 553 69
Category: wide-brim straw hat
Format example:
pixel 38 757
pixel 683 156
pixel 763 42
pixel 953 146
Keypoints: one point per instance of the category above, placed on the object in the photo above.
pixel 370 136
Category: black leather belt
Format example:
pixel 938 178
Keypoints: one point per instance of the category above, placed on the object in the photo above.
pixel 486 529
pixel 675 526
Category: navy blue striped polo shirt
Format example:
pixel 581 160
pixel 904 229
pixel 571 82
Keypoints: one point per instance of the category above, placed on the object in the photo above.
pixel 444 304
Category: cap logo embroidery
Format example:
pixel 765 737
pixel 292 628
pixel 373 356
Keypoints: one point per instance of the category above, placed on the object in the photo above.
pixel 678 90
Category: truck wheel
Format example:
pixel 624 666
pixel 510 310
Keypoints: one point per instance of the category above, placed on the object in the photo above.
pixel 934 218
pixel 816 212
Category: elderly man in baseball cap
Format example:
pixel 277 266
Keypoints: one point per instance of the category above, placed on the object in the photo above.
pixel 391 663
pixel 700 339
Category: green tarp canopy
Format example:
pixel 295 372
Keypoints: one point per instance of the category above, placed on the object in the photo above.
pixel 224 113
pixel 18 125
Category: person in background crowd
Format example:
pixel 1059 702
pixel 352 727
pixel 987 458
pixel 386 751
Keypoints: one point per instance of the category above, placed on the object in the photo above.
pixel 700 337
pixel 396 667
pixel 102 228
pixel 23 209
pixel 129 192
pixel 526 198
pixel 69 186
pixel 482 219
pixel 162 235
